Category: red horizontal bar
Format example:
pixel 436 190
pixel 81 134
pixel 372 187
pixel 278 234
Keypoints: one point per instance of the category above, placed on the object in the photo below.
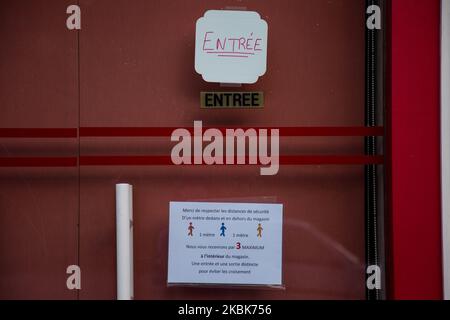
pixel 284 131
pixel 166 160
pixel 125 160
pixel 284 160
pixel 330 160
pixel 38 133
pixel 167 131
pixel 38 161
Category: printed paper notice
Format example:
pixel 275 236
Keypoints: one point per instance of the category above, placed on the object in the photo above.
pixel 225 243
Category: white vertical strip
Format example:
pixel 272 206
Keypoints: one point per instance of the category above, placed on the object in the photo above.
pixel 445 142
pixel 124 243
pixel 130 203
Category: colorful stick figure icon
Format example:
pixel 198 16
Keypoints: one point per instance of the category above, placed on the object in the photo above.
pixel 191 229
pixel 259 229
pixel 222 229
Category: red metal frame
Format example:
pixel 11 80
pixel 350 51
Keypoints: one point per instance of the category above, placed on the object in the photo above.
pixel 413 153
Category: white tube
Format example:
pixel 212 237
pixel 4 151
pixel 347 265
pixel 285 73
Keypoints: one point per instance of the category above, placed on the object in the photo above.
pixel 124 241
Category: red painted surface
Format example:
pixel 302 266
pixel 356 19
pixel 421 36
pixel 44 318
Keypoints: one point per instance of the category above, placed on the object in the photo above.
pixel 414 125
pixel 137 70
pixel 39 205
pixel 131 66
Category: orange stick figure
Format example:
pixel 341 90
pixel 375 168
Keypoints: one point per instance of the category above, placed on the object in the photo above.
pixel 260 229
pixel 190 228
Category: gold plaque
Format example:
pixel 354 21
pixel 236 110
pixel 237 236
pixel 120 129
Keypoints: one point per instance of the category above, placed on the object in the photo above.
pixel 232 100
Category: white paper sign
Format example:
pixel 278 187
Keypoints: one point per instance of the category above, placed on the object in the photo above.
pixel 225 243
pixel 231 46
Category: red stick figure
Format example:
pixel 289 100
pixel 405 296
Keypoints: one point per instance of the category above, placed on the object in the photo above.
pixel 190 228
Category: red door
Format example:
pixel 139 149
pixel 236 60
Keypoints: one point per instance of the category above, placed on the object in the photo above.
pixel 132 66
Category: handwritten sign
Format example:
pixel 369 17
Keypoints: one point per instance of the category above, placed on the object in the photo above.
pixel 231 46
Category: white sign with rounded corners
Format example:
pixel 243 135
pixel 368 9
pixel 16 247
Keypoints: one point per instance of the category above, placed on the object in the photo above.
pixel 231 46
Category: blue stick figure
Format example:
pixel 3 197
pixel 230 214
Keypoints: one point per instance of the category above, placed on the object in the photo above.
pixel 222 229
